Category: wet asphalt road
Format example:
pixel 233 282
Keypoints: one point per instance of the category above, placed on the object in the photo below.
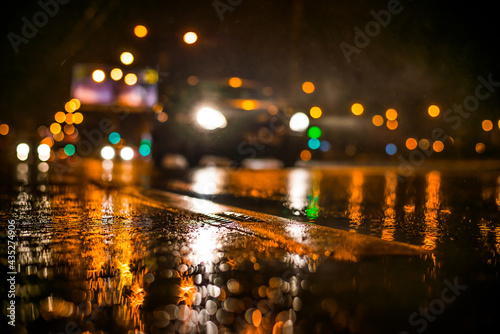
pixel 100 249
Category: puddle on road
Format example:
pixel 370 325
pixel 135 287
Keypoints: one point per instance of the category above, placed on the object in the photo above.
pixel 97 261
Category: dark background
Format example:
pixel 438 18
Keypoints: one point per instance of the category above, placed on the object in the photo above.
pixel 431 52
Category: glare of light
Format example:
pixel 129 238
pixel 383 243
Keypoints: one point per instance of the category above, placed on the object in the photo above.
pixel 377 120
pixel 391 114
pixel 315 112
pixel 392 125
pixel 130 79
pixel 314 143
pixel 77 118
pixel 43 152
pixel 69 149
pixel 424 144
pixel 487 125
pixel 249 104
pixel 23 149
pixel 60 117
pixel 193 80
pixel 190 37
pixel 480 148
pixel 127 58
pixel 314 132
pixel 127 153
pixel 76 103
pixel 411 143
pixel 299 122
pixel 235 82
pixel 308 87
pixel 433 110
pixel 305 155
pixel 438 146
pixel 55 128
pixel 357 109
pixel 114 137
pixel 140 31
pixel 499 124
pixel 116 74
pixel 391 149
pixel 210 119
pixel 107 153
pixel 144 150
pixel 70 106
pixel 98 75
pixel 4 129
pixel 162 117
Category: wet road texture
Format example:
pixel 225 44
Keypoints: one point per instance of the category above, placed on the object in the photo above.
pixel 103 248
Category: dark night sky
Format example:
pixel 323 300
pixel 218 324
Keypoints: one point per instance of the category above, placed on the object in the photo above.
pixel 429 52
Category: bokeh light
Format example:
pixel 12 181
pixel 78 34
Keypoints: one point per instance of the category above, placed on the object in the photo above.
pixel 114 138
pixel 70 106
pixel 305 155
pixel 107 153
pixel 391 149
pixel 60 117
pixel 235 82
pixel 144 150
pixel 98 75
pixel 480 148
pixel 378 120
pixel 315 112
pixel 424 144
pixel 69 129
pixel 70 118
pixel 140 31
pixel 325 146
pixel 308 87
pixel 162 117
pixel 433 110
pixel 392 125
pixel 76 103
pixel 116 74
pixel 411 143
pixel 4 129
pixel 43 152
pixel 314 143
pixel 487 125
pixel 55 128
pixel 357 109
pixel 193 80
pixel 127 58
pixel 299 122
pixel 438 146
pixel 130 79
pixel 391 114
pixel 69 149
pixel 314 132
pixel 190 37
pixel 248 104
pixel 127 153
pixel 77 118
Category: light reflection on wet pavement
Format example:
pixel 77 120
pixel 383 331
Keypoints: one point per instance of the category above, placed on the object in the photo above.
pixel 99 260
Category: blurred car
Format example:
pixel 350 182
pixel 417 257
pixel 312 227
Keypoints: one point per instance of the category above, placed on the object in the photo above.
pixel 231 117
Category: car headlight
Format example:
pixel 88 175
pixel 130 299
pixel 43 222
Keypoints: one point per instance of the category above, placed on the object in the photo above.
pixel 299 122
pixel 210 119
